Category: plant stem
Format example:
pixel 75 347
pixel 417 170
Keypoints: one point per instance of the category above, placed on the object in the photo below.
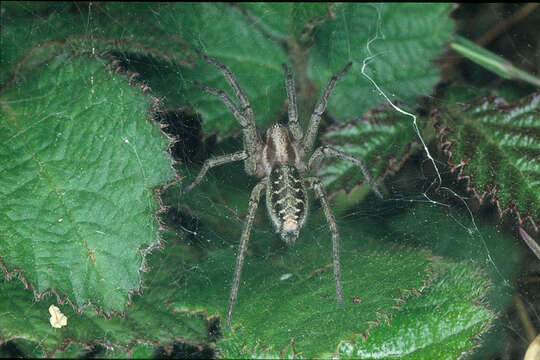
pixel 492 62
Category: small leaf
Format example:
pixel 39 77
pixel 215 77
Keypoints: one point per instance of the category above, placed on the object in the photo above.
pixel 79 159
pixel 495 146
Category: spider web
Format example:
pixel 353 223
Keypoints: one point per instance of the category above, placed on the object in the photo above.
pixel 436 187
pixel 437 195
pixel 211 217
pixel 210 196
pixel 472 230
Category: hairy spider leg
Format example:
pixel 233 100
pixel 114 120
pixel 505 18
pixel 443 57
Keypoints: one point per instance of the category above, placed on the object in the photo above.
pixel 252 211
pixel 225 98
pixel 242 99
pixel 325 150
pixel 314 121
pixel 294 127
pixel 317 186
pixel 251 155
pixel 244 115
pixel 215 161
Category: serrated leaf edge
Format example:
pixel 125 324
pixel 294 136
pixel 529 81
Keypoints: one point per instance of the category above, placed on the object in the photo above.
pixel 446 145
pixel 398 302
pixel 478 301
pixel 34 55
pixel 429 271
pixel 113 66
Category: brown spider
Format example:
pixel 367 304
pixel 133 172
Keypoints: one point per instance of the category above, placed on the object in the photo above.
pixel 280 162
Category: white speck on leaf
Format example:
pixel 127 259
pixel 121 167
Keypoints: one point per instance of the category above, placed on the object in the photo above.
pixel 285 276
pixel 57 319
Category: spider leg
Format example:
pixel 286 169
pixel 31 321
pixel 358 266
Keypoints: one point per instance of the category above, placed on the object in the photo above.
pixel 242 99
pixel 215 161
pixel 311 133
pixel 324 150
pixel 252 210
pixel 227 101
pixel 244 114
pixel 294 127
pixel 317 186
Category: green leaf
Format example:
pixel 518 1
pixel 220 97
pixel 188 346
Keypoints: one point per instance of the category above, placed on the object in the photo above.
pixel 462 240
pixel 291 295
pixel 78 161
pixel 254 59
pixel 450 234
pixel 495 147
pixel 301 322
pixel 168 46
pixel 72 351
pixel 383 139
pixel 442 323
pixel 139 351
pixel 151 320
pixel 57 28
pixel 283 20
pixel 410 37
pixel 163 50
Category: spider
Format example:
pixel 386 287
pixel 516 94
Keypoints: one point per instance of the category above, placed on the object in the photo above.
pixel 280 163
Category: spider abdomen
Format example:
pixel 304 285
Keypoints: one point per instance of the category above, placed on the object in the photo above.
pixel 286 200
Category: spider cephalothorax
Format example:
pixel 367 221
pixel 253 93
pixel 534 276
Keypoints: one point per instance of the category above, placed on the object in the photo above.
pixel 281 163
